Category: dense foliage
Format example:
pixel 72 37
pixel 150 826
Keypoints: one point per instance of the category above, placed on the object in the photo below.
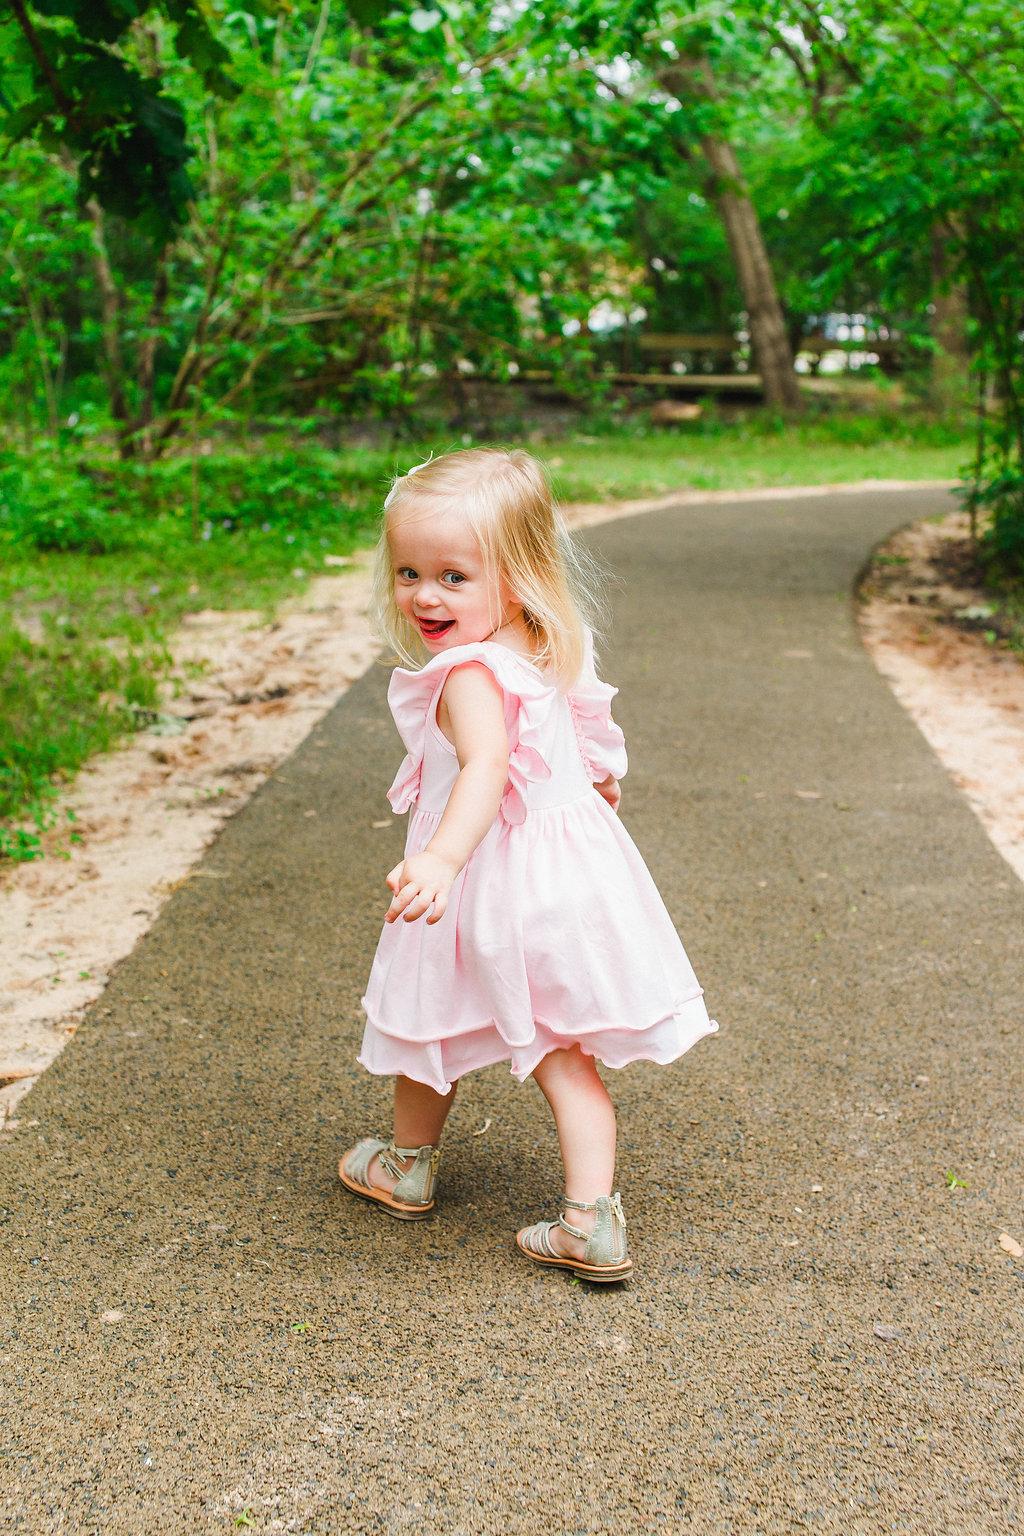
pixel 233 237
pixel 384 194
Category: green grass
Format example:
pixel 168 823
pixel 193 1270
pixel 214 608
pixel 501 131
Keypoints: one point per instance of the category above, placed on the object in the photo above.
pixel 98 565
pixel 97 572
pixel 752 452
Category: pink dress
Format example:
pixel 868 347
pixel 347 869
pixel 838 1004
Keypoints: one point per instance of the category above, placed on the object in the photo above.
pixel 555 933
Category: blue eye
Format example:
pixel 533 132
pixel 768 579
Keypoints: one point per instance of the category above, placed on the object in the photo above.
pixel 406 573
pixel 453 578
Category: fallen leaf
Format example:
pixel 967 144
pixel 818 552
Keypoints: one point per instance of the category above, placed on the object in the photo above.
pixel 484 1128
pixel 16 1074
pixel 1010 1245
pixel 307 814
pixel 111 1317
pixel 168 725
pixel 887 1331
pixel 808 794
pixel 379 825
pixel 817 1189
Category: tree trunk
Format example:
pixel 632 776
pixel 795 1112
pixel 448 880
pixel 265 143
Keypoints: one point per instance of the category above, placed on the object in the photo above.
pixel 772 352
pixel 951 359
pixel 146 370
pixel 110 310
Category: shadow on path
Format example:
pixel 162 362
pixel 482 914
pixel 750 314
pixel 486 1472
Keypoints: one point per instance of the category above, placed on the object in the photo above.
pixel 199 1329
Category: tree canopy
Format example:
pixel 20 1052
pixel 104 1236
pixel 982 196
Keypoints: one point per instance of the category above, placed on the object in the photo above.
pixel 319 206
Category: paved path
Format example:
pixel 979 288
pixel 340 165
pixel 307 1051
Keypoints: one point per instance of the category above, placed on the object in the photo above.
pixel 821 1335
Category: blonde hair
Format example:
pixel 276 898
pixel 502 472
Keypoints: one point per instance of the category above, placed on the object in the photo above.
pixel 506 498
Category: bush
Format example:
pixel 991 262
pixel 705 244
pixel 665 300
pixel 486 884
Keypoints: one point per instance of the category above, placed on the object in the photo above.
pixel 55 507
pixel 1002 544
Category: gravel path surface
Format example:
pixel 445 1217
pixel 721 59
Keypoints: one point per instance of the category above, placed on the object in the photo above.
pixel 201 1333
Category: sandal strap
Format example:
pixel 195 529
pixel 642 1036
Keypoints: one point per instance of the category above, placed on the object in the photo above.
pixel 537 1239
pixel 388 1158
pixel 607 1243
pixel 413 1185
pixel 576 1205
pixel 614 1205
pixel 392 1157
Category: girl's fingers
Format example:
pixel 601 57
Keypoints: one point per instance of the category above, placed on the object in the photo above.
pixel 411 902
pixel 406 897
pixel 417 907
pixel 415 896
pixel 393 881
pixel 401 900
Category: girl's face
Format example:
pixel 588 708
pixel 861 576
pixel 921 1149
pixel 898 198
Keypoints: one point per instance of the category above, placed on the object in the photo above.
pixel 441 584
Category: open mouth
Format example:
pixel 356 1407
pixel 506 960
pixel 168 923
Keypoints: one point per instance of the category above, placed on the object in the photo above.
pixel 433 629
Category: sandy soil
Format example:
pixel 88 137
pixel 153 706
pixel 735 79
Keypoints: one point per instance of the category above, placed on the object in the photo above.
pixel 924 620
pixel 146 813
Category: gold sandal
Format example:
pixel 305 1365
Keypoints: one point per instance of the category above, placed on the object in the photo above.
pixel 412 1198
pixel 604 1258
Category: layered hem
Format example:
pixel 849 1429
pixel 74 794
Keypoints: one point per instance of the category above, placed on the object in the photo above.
pixel 440 1063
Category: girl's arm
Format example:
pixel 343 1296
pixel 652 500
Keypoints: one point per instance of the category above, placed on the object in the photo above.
pixel 472 708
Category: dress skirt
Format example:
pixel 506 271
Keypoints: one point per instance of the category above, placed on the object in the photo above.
pixel 555 933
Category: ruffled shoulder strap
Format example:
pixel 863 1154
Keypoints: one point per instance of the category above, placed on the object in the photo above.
pixel 602 744
pixel 413 698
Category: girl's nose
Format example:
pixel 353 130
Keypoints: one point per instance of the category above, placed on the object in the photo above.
pixel 427 595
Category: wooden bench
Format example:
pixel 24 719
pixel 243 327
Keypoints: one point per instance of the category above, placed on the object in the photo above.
pixel 889 352
pixel 686 346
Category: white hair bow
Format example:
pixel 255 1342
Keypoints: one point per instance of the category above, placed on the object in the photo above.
pixel 389 498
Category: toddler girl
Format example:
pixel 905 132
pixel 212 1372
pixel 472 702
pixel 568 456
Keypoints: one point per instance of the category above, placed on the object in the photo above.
pixel 525 926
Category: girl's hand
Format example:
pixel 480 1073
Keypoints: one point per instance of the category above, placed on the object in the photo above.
pixel 418 883
pixel 609 790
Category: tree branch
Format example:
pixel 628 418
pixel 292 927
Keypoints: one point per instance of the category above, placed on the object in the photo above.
pixel 62 102
pixel 961 69
pixel 110 310
pixel 314 47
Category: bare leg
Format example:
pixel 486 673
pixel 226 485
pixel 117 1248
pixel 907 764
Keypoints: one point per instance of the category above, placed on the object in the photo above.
pixel 585 1122
pixel 420 1114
